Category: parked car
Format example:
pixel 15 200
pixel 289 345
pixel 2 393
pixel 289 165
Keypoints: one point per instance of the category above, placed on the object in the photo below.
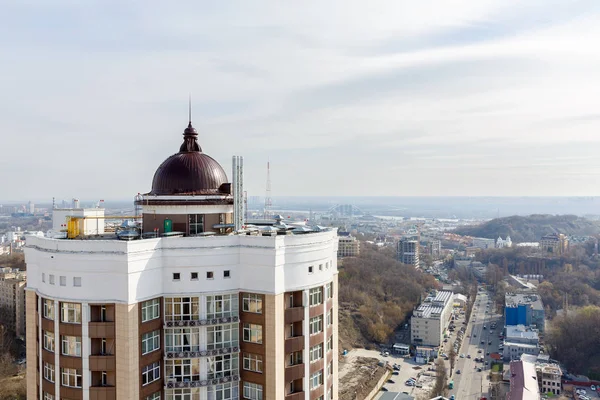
pixel 468 356
pixel 458 371
pixel 391 381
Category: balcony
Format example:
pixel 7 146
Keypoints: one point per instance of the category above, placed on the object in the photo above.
pixel 294 344
pixel 196 353
pixel 102 330
pixel 102 363
pixel 201 322
pixel 102 393
pixel 295 314
pixel 294 372
pixel 295 396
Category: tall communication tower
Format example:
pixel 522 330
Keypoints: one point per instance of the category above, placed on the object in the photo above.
pixel 268 202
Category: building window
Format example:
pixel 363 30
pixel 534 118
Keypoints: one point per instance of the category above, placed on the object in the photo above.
pixel 316 379
pixel 182 370
pixel 70 313
pixel 49 341
pixel 194 276
pixel 222 366
pixel 150 342
pixel 48 396
pixel 71 346
pixel 153 396
pixel 49 372
pixel 48 309
pixel 253 333
pixel 329 290
pixel 330 369
pixel 253 391
pixel 252 303
pixel 221 306
pixel 316 324
pixel 310 269
pixel 330 343
pixel 71 377
pixel 182 339
pixel 316 352
pixel 210 275
pixel 151 373
pixel 295 358
pixel 316 296
pixel 330 317
pixel 226 274
pixel 63 281
pixel 176 276
pixel 196 224
pixel 225 391
pixel 253 362
pixel 320 267
pixel 51 279
pixel 182 308
pixel 150 310
pixel 77 281
pixel 43 277
pixel 222 336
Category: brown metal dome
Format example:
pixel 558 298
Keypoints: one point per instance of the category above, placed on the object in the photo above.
pixel 190 171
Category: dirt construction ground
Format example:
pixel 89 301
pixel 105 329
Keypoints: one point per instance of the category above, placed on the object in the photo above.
pixel 359 373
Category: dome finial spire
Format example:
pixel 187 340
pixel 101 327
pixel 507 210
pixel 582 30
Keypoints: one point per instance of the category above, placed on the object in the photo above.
pixel 190 109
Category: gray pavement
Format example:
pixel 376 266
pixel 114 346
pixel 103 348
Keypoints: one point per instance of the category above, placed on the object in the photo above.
pixel 471 384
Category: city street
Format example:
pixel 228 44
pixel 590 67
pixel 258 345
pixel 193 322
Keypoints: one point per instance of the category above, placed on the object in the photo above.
pixel 469 383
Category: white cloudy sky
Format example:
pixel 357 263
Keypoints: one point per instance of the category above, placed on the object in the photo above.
pixel 471 97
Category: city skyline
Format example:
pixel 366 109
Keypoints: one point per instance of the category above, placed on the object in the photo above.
pixel 490 98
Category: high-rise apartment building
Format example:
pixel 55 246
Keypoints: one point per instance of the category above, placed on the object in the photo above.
pixel 186 308
pixel 12 300
pixel 407 251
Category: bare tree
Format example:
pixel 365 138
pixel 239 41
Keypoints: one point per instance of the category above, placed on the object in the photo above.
pixel 452 357
pixel 439 388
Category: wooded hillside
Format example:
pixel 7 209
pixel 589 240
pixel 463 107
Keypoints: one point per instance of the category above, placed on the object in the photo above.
pixel 531 228
pixel 376 295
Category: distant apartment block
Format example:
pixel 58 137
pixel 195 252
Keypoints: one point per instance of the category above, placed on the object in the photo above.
pixel 12 300
pixel 348 246
pixel 407 251
pixel 549 375
pixel 483 243
pixel 434 248
pixel 554 244
pixel 520 340
pixel 524 309
pixel 431 319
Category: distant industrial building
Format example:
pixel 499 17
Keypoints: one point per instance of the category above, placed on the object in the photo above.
pixel 555 243
pixel 430 320
pixel 348 246
pixel 523 381
pixel 520 340
pixel 524 309
pixel 407 251
pixel 483 243
pixel 12 300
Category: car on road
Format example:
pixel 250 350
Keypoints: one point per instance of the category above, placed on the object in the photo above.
pixel 593 387
pixel 391 381
pixel 462 355
pixel 458 371
pixel 384 389
pixel 396 373
pixel 468 356
pixel 478 369
pixel 483 342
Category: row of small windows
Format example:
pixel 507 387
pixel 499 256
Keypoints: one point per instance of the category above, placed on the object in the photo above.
pixel 311 268
pixel 62 280
pixel 194 275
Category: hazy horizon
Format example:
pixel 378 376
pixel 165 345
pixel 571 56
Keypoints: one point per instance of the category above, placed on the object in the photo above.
pixel 389 98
